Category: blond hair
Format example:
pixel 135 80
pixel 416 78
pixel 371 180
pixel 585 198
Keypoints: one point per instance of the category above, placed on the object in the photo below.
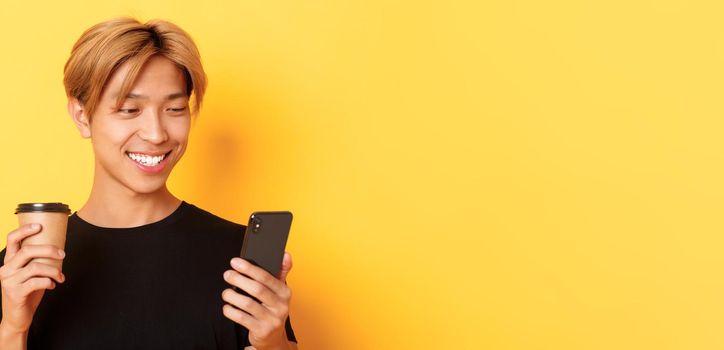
pixel 104 47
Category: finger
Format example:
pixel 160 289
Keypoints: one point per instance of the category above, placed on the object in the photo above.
pixel 31 251
pixel 286 266
pixel 239 317
pixel 36 269
pixel 17 236
pixel 253 288
pixel 36 283
pixel 244 303
pixel 258 274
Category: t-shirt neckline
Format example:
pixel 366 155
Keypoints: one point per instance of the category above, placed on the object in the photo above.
pixel 171 218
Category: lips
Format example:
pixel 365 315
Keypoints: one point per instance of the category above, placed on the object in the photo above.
pixel 152 154
pixel 150 162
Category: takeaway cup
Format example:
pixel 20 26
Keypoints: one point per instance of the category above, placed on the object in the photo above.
pixel 53 217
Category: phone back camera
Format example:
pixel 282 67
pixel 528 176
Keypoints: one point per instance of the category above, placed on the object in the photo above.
pixel 256 225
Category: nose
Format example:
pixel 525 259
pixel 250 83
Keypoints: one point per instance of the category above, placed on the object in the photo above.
pixel 152 128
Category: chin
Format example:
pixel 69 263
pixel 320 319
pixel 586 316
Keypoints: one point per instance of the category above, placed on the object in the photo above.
pixel 149 187
pixel 136 182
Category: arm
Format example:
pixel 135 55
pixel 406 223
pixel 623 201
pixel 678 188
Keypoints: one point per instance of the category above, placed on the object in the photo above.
pixel 10 340
pixel 264 311
pixel 23 284
pixel 292 346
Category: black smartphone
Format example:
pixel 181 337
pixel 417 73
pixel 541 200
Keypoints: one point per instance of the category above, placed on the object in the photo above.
pixel 266 238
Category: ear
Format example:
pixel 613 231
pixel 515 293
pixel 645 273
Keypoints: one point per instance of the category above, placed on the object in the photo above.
pixel 77 113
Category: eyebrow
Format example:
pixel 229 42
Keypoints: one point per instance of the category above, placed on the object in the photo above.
pixel 175 95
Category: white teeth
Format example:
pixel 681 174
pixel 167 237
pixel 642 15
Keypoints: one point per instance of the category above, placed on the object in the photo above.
pixel 145 159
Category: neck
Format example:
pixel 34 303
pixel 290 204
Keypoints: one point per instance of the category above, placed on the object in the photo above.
pixel 111 204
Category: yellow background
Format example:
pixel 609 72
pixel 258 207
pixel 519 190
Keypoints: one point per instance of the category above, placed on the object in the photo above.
pixel 507 174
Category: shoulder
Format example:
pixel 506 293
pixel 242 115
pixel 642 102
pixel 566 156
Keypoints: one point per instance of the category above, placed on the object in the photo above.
pixel 201 216
pixel 210 230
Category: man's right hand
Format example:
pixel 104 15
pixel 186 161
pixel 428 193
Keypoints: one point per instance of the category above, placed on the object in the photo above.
pixel 24 282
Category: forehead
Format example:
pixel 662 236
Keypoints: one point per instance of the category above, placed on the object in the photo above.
pixel 158 77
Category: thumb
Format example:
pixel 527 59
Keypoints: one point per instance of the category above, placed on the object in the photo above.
pixel 286 266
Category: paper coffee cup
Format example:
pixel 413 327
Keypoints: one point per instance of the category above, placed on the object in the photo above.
pixel 53 217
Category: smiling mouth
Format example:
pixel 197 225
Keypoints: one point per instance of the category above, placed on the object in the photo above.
pixel 147 160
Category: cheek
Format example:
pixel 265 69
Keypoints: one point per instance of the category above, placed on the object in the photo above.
pixel 105 136
pixel 178 130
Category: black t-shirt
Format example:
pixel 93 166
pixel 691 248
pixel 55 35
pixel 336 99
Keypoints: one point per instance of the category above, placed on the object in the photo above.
pixel 156 286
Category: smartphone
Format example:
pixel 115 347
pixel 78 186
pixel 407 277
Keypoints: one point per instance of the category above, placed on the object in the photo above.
pixel 265 239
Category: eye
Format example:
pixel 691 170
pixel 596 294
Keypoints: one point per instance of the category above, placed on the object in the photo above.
pixel 176 110
pixel 128 110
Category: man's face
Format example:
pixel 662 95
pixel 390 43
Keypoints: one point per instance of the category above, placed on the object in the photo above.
pixel 137 145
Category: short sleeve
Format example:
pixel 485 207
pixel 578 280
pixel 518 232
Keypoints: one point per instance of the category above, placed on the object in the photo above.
pixel 290 331
pixel 2 262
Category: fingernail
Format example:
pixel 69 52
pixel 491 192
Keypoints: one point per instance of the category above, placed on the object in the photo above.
pixel 226 274
pixel 236 262
pixel 61 253
pixel 35 226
